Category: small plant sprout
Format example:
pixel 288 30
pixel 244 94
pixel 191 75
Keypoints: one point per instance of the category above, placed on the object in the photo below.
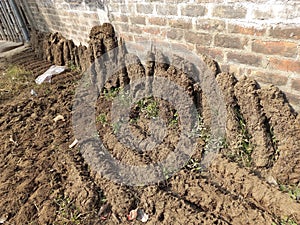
pixel 243 147
pixel 285 221
pixel 71 65
pixel 111 93
pixel 13 80
pixel 149 106
pixel 200 130
pixel 152 109
pixel 67 211
pixel 123 98
pixel 133 121
pixel 103 200
pixel 194 165
pixel 14 72
pixel 116 127
pixel 292 190
pixel 101 118
pixel 174 121
pixel 167 173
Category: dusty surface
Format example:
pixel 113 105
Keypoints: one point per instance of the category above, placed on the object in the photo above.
pixel 252 181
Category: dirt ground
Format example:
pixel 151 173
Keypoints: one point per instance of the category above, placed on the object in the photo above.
pixel 255 178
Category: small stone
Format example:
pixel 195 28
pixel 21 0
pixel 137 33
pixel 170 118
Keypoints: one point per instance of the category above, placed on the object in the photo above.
pixel 59 117
pixel 271 180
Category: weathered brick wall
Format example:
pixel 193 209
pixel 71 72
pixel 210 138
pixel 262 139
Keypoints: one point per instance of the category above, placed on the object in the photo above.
pixel 72 18
pixel 258 38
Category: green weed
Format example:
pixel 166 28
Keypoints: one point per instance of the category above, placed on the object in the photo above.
pixel 200 130
pixel 274 144
pixel 194 165
pixel 101 118
pixel 116 127
pixel 13 80
pixel 292 190
pixel 111 93
pixel 167 173
pixel 67 211
pixel 149 106
pixel 243 146
pixel 71 65
pixel 123 98
pixel 16 72
pixel 286 221
pixel 175 120
pixel 245 143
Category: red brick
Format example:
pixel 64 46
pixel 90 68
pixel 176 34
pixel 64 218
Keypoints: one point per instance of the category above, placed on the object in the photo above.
pixel 182 48
pixel 294 100
pixel 139 38
pixel 174 1
pixel 163 32
pixel 241 58
pixel 212 52
pixel 136 29
pixel 114 7
pixel 113 1
pixel 194 10
pixel 157 21
pixel 210 25
pixel 296 84
pixel 121 27
pixel 224 68
pixel 210 1
pixel 282 48
pixel 231 12
pixel 121 18
pixel 138 20
pixel 145 8
pixel 175 34
pixel 167 10
pixel 232 28
pixel 269 78
pixel 126 37
pixel 287 33
pixel 285 65
pixel 198 38
pixel 127 8
pixel 179 23
pixel 151 30
pixel 262 14
pixel 228 41
pixel 236 69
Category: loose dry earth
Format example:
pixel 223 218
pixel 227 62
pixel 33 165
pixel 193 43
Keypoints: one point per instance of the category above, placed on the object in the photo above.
pixel 253 180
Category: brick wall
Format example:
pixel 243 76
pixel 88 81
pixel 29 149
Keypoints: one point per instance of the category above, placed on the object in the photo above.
pixel 72 18
pixel 258 38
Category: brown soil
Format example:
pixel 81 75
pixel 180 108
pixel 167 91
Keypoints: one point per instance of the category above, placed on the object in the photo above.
pixel 43 181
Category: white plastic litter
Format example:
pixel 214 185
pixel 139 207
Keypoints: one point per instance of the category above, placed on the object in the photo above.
pixel 138 214
pixel 32 92
pixel 73 144
pixel 132 214
pixel 46 77
pixel 142 216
